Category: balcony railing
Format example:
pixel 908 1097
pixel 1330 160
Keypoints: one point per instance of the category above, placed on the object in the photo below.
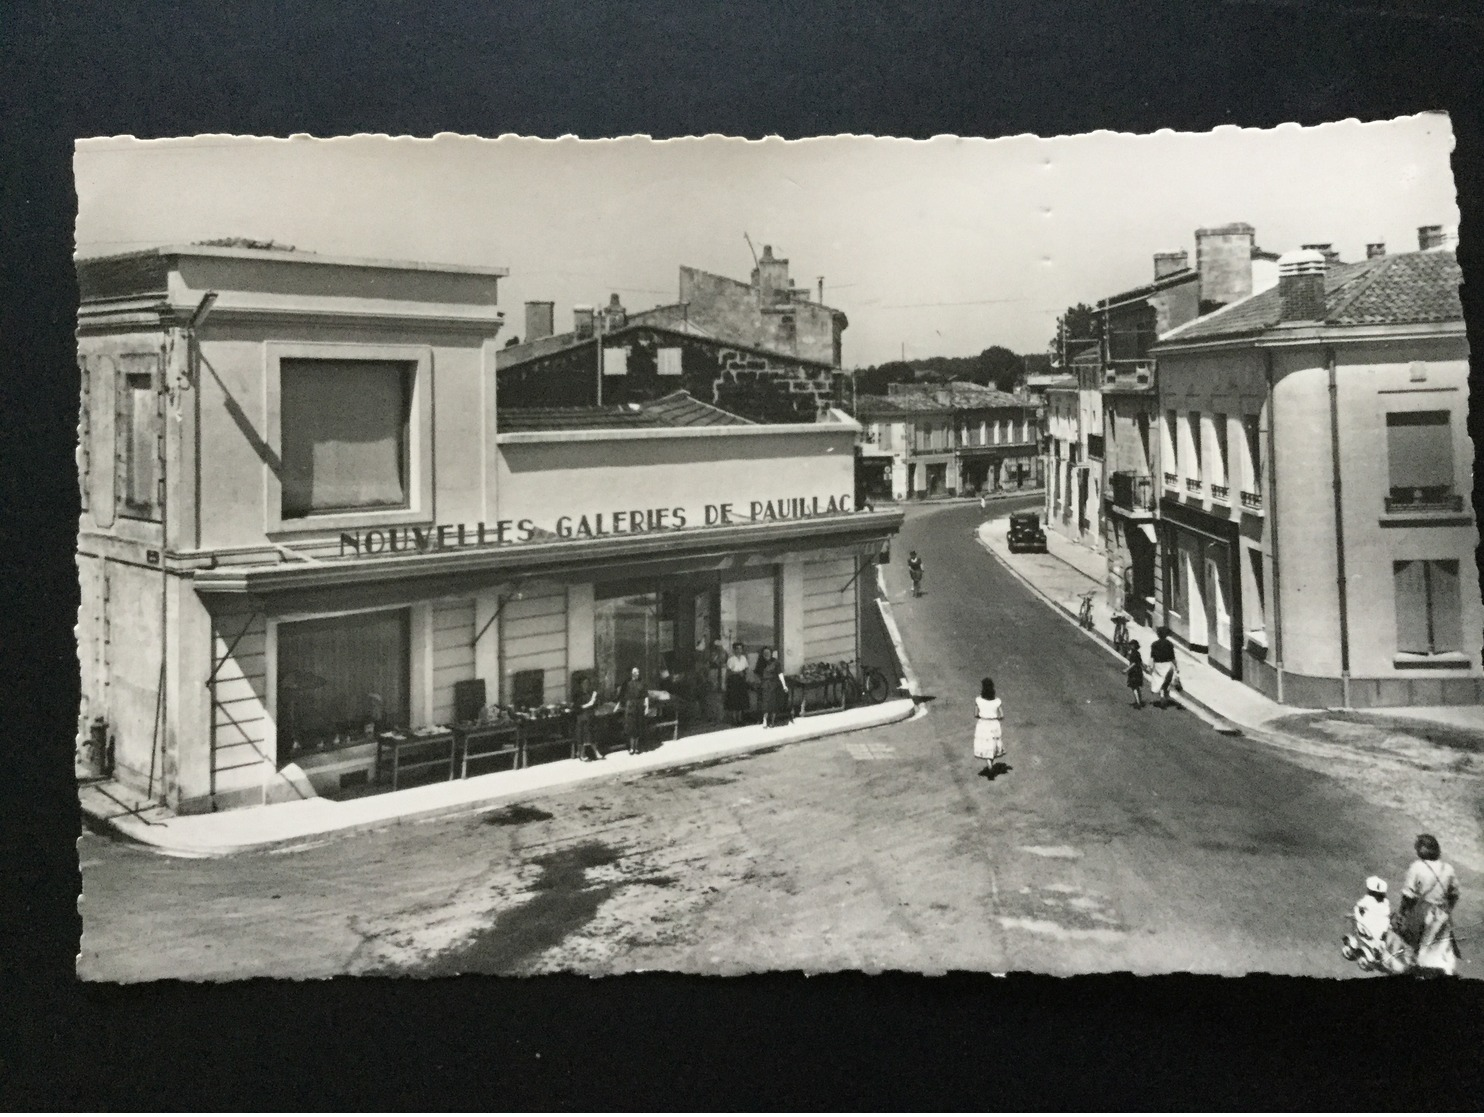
pixel 1252 501
pixel 1219 492
pixel 1192 484
pixel 1172 480
pixel 1424 500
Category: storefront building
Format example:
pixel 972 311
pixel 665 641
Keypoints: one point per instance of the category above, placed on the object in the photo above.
pixel 304 523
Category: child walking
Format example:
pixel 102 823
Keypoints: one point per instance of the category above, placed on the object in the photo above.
pixel 1134 674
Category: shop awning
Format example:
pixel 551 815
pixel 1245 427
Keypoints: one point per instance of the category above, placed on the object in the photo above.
pixel 403 578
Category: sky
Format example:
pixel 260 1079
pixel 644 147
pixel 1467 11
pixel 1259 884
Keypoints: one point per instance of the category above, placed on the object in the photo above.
pixel 938 247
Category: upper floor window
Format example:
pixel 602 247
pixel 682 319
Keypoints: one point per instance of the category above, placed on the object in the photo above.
pixel 1195 445
pixel 1253 442
pixel 1171 443
pixel 668 361
pixel 140 432
pixel 345 435
pixel 615 361
pixel 1419 451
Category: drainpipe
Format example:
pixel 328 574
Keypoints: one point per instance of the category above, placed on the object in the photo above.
pixel 1340 580
pixel 1272 518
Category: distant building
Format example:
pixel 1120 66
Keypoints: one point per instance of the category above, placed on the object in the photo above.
pixel 1317 534
pixel 1107 500
pixel 761 350
pixel 950 439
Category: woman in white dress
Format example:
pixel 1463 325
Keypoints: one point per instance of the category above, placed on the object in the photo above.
pixel 989 738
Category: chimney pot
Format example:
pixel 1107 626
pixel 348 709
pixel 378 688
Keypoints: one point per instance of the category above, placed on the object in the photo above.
pixel 1376 248
pixel 1301 286
pixel 1436 236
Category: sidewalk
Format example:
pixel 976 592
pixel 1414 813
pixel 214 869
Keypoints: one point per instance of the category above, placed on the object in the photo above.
pixel 1067 571
pixel 110 807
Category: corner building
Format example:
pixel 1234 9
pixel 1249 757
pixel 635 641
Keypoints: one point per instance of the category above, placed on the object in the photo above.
pixel 304 520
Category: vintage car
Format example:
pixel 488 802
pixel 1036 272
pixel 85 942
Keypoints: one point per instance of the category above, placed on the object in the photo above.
pixel 1026 533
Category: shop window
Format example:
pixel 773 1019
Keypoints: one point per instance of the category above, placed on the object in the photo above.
pixel 668 361
pixel 342 679
pixel 626 634
pixel 615 361
pixel 1419 450
pixel 1429 617
pixel 344 435
pixel 140 432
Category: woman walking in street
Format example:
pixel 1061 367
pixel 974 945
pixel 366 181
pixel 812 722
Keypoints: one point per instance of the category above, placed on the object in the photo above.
pixel 585 696
pixel 989 737
pixel 738 692
pixel 1134 674
pixel 1426 913
pixel 633 696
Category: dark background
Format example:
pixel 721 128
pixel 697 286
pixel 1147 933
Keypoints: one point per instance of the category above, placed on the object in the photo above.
pixel 663 68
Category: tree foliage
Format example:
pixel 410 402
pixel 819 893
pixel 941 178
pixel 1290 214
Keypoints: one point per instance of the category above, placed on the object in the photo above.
pixel 995 367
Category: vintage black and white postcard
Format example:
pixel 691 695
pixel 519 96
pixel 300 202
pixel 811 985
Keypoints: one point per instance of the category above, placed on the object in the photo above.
pixel 521 555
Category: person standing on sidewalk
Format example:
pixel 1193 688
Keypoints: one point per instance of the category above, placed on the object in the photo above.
pixel 633 696
pixel 1162 661
pixel 914 569
pixel 586 696
pixel 1134 674
pixel 989 735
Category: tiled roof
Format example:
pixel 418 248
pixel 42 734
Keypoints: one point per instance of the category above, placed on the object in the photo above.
pixel 1385 291
pixel 678 409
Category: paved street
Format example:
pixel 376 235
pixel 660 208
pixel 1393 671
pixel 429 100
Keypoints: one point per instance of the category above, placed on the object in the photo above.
pixel 1119 839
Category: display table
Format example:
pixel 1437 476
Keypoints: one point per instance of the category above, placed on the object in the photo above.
pixel 548 735
pixel 483 742
pixel 415 750
pixel 820 695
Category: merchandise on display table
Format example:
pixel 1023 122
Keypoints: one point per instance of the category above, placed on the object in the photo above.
pixel 400 751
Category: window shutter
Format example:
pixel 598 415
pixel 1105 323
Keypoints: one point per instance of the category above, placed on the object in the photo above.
pixel 1409 582
pixel 616 361
pixel 1445 606
pixel 1419 447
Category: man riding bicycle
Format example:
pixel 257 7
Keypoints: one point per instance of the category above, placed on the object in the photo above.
pixel 914 568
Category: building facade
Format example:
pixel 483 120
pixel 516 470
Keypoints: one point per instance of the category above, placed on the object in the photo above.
pixel 305 522
pixel 1318 536
pixel 921 441
pixel 762 349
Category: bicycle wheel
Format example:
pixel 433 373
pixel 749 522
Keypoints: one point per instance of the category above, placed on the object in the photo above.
pixel 876 686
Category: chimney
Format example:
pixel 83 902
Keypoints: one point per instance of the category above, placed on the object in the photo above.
pixel 1167 263
pixel 540 320
pixel 582 321
pixel 1436 236
pixel 1331 257
pixel 1223 256
pixel 1301 286
pixel 614 316
pixel 1378 248
pixel 770 277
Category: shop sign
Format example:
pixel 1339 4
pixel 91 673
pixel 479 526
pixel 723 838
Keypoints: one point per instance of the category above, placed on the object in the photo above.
pixel 637 521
